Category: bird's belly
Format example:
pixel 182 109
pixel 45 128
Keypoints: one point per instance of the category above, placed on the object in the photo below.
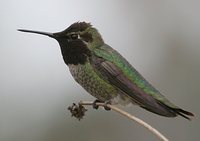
pixel 92 83
pixel 96 86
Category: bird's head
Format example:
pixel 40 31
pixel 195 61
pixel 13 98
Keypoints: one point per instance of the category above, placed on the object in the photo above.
pixel 76 42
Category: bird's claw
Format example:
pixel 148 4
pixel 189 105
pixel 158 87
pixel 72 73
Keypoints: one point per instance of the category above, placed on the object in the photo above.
pixel 95 106
pixel 106 107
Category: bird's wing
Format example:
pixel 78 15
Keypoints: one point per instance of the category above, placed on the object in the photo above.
pixel 112 67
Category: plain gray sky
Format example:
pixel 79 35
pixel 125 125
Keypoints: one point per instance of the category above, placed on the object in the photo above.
pixel 161 39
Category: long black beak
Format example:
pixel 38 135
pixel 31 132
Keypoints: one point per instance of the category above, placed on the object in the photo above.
pixel 38 32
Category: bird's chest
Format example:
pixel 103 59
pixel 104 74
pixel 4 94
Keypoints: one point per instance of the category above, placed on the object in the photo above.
pixel 81 73
pixel 91 82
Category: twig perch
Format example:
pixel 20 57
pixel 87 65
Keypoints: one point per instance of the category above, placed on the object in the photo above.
pixel 79 110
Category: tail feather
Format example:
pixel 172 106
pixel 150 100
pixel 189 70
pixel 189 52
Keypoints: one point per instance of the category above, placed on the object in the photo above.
pixel 177 111
pixel 165 110
pixel 183 113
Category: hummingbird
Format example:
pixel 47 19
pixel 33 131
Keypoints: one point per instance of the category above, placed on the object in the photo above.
pixel 106 74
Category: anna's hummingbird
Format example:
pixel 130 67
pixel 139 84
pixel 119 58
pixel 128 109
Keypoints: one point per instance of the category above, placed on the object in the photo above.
pixel 107 75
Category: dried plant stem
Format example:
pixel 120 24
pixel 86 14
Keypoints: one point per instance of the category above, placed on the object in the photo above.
pixel 129 116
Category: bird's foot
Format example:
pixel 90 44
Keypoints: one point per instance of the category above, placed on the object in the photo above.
pixel 106 107
pixel 94 104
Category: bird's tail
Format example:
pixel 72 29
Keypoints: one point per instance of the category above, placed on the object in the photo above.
pixel 183 113
pixel 165 110
pixel 178 111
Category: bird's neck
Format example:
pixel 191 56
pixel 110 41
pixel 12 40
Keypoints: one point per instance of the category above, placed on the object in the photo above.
pixel 76 53
pixel 97 40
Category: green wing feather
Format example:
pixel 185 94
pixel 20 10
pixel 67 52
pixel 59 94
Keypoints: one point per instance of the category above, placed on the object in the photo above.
pixel 121 73
pixel 113 56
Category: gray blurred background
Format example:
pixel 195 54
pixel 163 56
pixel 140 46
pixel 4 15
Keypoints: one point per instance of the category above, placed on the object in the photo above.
pixel 160 38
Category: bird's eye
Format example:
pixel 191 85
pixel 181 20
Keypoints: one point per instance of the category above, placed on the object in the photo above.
pixel 74 36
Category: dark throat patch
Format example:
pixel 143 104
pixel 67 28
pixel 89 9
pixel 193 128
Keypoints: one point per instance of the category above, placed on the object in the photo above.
pixel 75 52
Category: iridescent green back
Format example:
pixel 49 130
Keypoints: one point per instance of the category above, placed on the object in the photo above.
pixel 113 56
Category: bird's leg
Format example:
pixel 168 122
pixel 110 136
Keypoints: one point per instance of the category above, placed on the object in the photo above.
pixel 94 104
pixel 106 107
